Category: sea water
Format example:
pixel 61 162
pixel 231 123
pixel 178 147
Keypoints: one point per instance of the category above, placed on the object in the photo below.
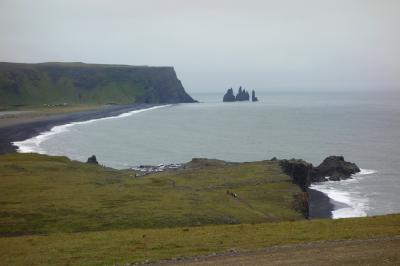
pixel 364 127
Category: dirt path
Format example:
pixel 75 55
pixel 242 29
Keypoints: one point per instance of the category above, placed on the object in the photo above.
pixel 383 251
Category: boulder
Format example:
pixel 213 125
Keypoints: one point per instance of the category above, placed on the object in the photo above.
pixel 92 159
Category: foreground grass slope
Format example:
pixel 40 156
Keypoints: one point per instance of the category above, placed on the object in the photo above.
pixel 60 212
pixel 136 245
pixel 43 194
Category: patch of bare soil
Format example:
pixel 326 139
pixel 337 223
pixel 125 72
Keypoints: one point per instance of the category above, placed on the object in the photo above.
pixel 383 251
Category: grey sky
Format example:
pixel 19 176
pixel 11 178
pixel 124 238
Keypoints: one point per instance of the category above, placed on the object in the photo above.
pixel 213 44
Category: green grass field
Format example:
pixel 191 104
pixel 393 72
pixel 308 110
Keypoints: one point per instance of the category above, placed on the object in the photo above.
pixel 136 245
pixel 43 194
pixel 60 212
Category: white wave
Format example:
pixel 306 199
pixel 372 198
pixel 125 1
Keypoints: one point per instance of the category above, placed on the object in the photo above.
pixel 365 172
pixel 33 144
pixel 356 204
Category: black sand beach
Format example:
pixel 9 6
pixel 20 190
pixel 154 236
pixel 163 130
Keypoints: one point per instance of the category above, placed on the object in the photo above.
pixel 24 131
pixel 320 205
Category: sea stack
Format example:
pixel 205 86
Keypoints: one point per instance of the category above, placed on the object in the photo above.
pixel 229 96
pixel 242 95
pixel 253 96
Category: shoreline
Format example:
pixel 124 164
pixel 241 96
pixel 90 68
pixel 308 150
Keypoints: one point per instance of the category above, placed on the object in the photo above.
pixel 320 206
pixel 25 130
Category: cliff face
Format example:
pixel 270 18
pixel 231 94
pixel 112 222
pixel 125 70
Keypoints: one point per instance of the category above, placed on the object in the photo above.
pixel 58 83
pixel 299 170
pixel 333 168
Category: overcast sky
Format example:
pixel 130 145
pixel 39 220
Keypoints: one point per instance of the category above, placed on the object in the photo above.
pixel 215 44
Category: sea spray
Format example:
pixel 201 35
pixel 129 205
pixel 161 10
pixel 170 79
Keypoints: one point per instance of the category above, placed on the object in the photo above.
pixel 349 203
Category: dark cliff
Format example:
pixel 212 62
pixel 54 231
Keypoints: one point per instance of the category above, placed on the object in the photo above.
pixel 333 168
pixel 58 83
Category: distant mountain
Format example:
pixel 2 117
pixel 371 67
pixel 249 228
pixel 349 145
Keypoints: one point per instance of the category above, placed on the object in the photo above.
pixel 73 83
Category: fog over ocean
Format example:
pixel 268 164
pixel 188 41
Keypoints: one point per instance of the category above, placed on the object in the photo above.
pixel 364 127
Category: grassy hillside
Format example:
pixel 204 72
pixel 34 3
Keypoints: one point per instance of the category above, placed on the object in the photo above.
pixel 60 212
pixel 43 194
pixel 137 245
pixel 78 83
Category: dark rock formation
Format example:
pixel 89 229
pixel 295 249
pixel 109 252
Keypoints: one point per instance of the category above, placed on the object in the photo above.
pixel 303 174
pixel 300 171
pixel 229 96
pixel 301 203
pixel 92 159
pixel 334 168
pixel 242 95
pixel 253 96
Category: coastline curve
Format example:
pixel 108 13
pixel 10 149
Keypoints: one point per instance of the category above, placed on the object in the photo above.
pixel 33 144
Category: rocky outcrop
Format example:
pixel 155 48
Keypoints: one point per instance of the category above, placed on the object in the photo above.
pixel 301 203
pixel 79 83
pixel 229 96
pixel 92 159
pixel 253 96
pixel 242 95
pixel 299 170
pixel 334 168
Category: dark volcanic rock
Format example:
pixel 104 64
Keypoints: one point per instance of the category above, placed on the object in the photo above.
pixel 300 171
pixel 229 96
pixel 303 174
pixel 301 203
pixel 334 168
pixel 253 96
pixel 92 159
pixel 242 95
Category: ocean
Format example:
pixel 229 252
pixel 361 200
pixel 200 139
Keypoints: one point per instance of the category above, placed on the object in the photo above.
pixel 364 127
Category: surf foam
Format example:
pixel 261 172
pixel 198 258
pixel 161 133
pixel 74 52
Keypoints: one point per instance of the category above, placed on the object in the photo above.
pixel 356 205
pixel 33 144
